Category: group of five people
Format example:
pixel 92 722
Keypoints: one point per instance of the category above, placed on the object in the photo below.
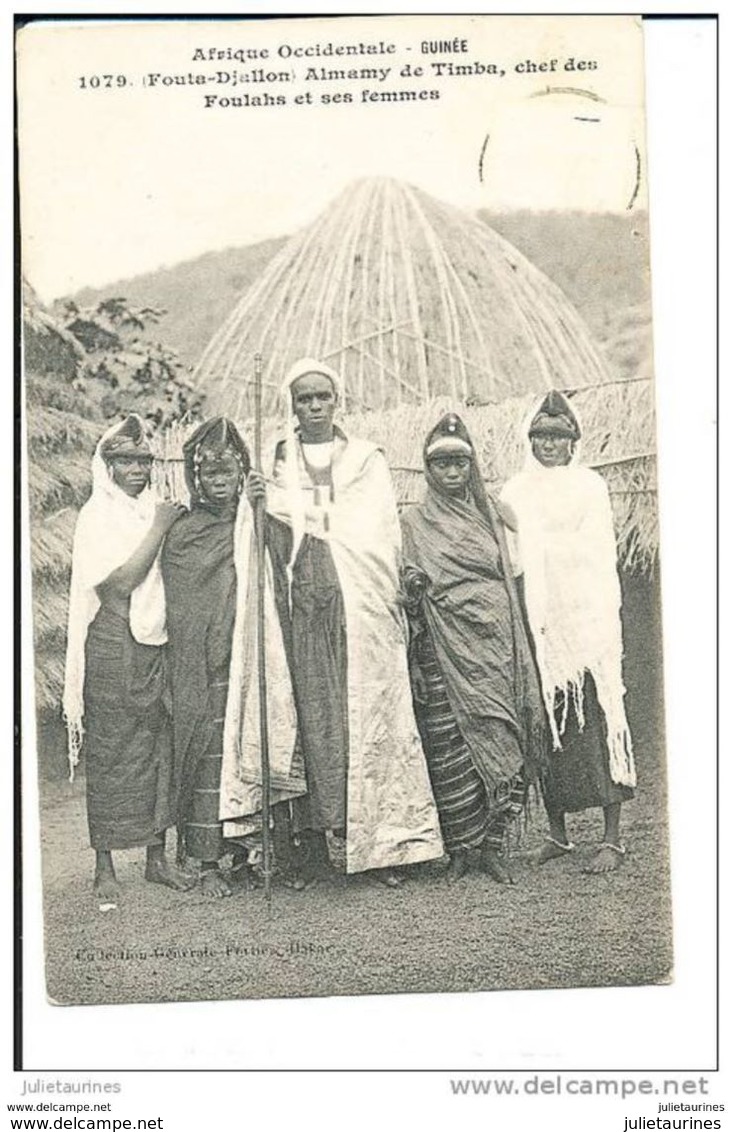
pixel 423 670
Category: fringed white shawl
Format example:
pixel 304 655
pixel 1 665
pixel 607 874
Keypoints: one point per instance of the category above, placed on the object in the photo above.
pixel 110 527
pixel 565 547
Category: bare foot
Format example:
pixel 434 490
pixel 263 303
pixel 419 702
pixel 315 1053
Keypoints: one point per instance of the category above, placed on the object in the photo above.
pixel 386 877
pixel 458 866
pixel 299 881
pixel 494 867
pixel 295 881
pixel 240 874
pixel 214 884
pixel 312 874
pixel 106 887
pixel 607 859
pixel 162 872
pixel 552 849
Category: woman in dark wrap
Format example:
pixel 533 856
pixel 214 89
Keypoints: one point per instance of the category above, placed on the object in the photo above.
pixel 476 691
pixel 200 593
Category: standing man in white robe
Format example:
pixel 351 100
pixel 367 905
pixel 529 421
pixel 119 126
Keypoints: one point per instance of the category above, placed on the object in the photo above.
pixel 333 524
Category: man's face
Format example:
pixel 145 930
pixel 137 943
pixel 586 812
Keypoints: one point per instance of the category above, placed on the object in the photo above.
pixel 314 403
pixel 551 450
pixel 451 470
pixel 219 477
pixel 131 472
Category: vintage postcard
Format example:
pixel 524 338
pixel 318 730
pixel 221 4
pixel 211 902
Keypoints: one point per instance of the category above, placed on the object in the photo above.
pixel 341 461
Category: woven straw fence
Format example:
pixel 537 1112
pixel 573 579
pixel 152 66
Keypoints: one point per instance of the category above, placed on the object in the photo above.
pixel 618 439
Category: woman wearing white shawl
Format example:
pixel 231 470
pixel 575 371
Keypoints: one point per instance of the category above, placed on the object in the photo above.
pixel 333 525
pixel 114 693
pixel 565 548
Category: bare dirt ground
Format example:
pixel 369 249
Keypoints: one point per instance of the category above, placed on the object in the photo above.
pixel 556 928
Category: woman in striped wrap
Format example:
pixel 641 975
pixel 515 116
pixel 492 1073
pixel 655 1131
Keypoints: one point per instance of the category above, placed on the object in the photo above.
pixel 475 687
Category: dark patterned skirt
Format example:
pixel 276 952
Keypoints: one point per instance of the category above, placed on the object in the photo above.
pixel 127 741
pixel 469 814
pixel 578 776
pixel 203 830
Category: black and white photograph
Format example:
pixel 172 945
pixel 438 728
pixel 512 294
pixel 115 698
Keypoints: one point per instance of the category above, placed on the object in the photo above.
pixel 341 462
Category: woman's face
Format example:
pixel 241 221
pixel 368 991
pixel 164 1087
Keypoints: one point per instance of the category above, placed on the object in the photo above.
pixel 552 451
pixel 131 472
pixel 219 477
pixel 451 471
pixel 314 403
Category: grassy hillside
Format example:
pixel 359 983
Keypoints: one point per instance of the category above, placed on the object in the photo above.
pixel 600 262
pixel 197 294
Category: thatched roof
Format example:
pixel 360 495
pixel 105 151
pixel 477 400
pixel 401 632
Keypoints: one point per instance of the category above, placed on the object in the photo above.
pixel 60 438
pixel 47 346
pixel 409 299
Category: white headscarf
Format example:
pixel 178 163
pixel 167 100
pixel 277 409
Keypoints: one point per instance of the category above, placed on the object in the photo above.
pixel 110 527
pixel 566 550
pixel 292 468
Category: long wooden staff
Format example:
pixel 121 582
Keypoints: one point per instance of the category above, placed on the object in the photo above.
pixel 259 529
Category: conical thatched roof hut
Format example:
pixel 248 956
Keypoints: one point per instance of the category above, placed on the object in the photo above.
pixel 422 308
pixel 409 299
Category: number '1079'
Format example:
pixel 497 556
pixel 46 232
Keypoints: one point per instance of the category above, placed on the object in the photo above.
pixel 102 82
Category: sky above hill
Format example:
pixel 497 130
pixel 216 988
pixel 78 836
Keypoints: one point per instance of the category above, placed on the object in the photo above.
pixel 135 153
